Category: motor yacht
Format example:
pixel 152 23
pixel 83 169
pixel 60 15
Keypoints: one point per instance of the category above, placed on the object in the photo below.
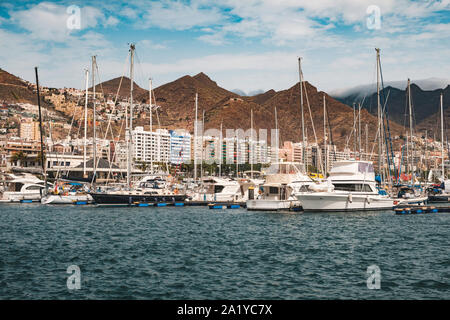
pixel 278 191
pixel 351 186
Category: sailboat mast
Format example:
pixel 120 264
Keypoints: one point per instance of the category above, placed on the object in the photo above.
pixel 354 129
pixel 130 127
pixel 220 151
pixel 380 151
pixel 251 143
pixel 359 130
pixel 195 137
pixel 85 123
pixel 94 142
pixel 277 137
pixel 411 130
pixel 301 108
pixel 41 128
pixel 442 136
pixel 325 137
pixel 151 121
pixel 201 146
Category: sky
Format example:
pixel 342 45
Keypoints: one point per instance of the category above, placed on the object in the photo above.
pixel 250 45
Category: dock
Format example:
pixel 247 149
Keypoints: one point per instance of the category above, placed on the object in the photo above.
pixel 420 210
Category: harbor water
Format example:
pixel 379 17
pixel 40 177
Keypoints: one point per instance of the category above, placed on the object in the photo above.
pixel 198 253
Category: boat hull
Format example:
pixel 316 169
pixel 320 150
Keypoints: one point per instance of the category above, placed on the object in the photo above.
pixel 343 202
pixel 18 197
pixel 439 198
pixel 270 205
pixel 129 199
pixel 67 199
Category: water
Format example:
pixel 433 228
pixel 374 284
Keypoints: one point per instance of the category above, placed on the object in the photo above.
pixel 198 253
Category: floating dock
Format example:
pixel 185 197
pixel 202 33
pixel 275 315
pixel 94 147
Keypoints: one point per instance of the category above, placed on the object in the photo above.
pixel 421 210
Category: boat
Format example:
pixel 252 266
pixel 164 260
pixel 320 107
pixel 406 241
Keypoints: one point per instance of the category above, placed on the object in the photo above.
pixel 22 188
pixel 132 194
pixel 352 186
pixel 220 189
pixel 68 193
pixel 277 193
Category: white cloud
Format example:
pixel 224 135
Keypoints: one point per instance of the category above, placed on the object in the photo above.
pixel 48 21
pixel 175 15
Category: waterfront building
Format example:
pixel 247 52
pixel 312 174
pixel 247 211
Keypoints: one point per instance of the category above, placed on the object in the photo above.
pixel 180 146
pixel 151 146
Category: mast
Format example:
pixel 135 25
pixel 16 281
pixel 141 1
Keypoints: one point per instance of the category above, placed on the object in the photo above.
pixel 85 123
pixel 151 122
pixel 251 143
pixel 325 169
pixel 367 142
pixel 220 151
pixel 411 131
pixel 276 133
pixel 442 136
pixel 195 137
pixel 201 148
pixel 380 151
pixel 237 155
pixel 354 129
pixel 359 130
pixel 130 128
pixel 41 129
pixel 94 143
pixel 301 108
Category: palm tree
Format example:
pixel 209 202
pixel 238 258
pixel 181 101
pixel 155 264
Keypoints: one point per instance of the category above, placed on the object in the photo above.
pixel 19 157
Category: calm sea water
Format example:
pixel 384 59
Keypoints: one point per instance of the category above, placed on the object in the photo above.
pixel 197 253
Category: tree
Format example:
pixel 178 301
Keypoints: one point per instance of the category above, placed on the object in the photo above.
pixel 19 157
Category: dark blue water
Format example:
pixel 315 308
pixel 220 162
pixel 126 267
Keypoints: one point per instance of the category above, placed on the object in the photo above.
pixel 197 253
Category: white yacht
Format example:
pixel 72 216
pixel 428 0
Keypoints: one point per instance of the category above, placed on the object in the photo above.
pixel 21 188
pixel 278 191
pixel 218 189
pixel 351 186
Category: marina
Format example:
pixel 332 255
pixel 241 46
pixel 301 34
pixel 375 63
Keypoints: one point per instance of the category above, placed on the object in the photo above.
pixel 240 151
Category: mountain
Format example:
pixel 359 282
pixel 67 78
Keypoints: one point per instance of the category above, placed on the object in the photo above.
pixel 110 88
pixel 15 90
pixel 367 89
pixel 340 116
pixel 424 102
pixel 177 109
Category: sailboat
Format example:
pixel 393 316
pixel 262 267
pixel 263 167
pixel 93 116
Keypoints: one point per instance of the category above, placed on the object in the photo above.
pixel 443 195
pixel 133 196
pixel 69 192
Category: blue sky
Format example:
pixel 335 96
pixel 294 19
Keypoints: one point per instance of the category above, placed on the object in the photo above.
pixel 249 45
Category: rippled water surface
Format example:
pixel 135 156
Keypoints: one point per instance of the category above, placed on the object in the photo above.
pixel 197 253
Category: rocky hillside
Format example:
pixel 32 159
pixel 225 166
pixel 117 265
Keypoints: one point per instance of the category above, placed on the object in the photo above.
pixel 15 90
pixel 425 103
pixel 222 106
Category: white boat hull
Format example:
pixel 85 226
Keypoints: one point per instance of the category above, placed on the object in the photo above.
pixel 19 196
pixel 270 205
pixel 325 201
pixel 67 199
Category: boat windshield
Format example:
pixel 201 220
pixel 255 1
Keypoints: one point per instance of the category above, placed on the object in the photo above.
pixel 358 187
pixel 364 167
